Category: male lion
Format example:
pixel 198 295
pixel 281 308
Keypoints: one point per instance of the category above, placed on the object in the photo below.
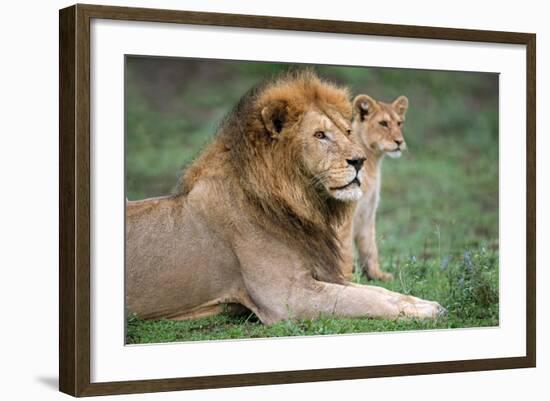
pixel 377 126
pixel 254 220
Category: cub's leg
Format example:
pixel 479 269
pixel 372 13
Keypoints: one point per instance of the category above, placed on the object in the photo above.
pixel 345 233
pixel 365 240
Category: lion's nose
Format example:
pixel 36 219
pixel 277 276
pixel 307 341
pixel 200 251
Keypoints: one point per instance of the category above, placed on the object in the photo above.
pixel 356 162
pixel 398 141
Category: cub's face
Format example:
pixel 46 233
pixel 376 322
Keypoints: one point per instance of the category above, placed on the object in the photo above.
pixel 379 125
pixel 330 154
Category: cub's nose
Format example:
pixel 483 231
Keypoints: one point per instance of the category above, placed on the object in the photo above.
pixel 398 142
pixel 356 162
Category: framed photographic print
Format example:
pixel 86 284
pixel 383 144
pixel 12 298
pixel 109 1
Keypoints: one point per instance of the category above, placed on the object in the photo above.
pixel 250 200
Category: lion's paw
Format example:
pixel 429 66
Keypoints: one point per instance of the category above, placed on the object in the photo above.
pixel 421 309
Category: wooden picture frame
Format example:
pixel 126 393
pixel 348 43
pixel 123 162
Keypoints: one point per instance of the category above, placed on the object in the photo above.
pixel 74 200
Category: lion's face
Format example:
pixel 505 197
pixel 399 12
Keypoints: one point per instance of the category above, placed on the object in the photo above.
pixel 379 125
pixel 330 156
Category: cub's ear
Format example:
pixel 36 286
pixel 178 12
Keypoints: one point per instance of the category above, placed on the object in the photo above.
pixel 364 106
pixel 275 116
pixel 401 104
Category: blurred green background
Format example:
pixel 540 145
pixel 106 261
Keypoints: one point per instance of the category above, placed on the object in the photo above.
pixel 438 217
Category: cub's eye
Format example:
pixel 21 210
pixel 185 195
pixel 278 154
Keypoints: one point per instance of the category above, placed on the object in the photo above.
pixel 348 131
pixel 383 123
pixel 399 123
pixel 319 135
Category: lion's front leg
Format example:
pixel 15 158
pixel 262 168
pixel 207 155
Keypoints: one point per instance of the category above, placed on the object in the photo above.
pixel 280 286
pixel 354 300
pixel 311 299
pixel 299 296
pixel 408 306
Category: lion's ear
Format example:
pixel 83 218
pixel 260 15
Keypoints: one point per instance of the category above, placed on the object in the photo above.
pixel 275 116
pixel 401 104
pixel 364 106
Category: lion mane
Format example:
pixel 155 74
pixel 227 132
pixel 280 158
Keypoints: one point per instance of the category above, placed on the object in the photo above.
pixel 277 191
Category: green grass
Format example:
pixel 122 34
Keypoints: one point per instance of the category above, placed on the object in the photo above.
pixel 437 227
pixel 467 287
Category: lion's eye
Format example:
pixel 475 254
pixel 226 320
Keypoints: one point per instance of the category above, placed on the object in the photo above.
pixel 399 123
pixel 348 131
pixel 383 123
pixel 319 135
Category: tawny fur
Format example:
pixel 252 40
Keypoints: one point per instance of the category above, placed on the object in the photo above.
pixel 254 221
pixel 276 190
pixel 377 126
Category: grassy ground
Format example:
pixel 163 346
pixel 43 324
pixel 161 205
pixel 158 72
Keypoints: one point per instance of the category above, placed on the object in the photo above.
pixel 438 219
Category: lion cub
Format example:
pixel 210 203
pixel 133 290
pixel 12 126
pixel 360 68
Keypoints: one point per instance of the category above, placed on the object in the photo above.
pixel 378 128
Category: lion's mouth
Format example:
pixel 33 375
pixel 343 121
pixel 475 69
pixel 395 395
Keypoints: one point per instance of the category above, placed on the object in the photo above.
pixel 349 184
